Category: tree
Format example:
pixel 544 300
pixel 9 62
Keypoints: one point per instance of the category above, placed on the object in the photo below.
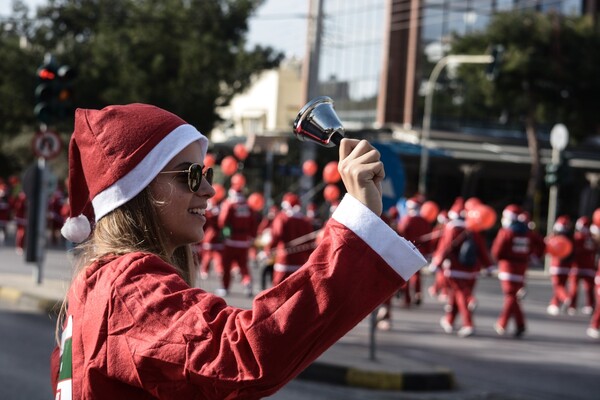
pixel 548 74
pixel 187 56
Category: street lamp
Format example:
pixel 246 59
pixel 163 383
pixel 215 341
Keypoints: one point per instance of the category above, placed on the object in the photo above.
pixel 426 130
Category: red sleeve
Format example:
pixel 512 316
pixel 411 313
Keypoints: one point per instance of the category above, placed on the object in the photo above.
pixel 499 244
pixel 224 214
pixel 483 253
pixel 181 342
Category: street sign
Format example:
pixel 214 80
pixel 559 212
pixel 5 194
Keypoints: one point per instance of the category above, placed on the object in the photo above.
pixel 46 144
pixel 559 137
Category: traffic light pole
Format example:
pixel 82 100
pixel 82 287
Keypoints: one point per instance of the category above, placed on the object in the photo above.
pixel 552 205
pixel 426 128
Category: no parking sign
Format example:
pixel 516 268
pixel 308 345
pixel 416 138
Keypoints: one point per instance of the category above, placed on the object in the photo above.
pixel 46 144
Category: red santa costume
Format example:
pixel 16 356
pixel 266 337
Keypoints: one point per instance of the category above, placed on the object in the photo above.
pixel 585 249
pixel 560 268
pixel 134 329
pixel 415 228
pixel 239 225
pixel 460 276
pixel 593 330
pixel 212 246
pixel 438 290
pixel 5 211
pixel 512 249
pixel 19 207
pixel 289 225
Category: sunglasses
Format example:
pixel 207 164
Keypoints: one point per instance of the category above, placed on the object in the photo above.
pixel 194 176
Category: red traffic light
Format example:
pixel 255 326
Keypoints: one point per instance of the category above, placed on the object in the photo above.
pixel 46 74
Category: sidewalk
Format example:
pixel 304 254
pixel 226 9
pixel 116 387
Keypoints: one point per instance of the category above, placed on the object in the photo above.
pixel 345 363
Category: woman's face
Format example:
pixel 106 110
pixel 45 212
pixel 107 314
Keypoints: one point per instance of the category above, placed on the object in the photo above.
pixel 180 211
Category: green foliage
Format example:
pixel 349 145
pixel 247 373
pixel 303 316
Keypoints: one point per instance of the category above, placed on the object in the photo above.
pixel 549 70
pixel 188 56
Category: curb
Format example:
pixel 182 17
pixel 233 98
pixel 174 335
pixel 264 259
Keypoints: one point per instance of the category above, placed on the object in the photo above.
pixel 441 379
pixel 18 297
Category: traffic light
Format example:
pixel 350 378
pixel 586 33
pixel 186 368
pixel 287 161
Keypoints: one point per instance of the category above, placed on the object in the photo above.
pixel 557 174
pixel 45 90
pixel 54 91
pixel 493 68
pixel 551 177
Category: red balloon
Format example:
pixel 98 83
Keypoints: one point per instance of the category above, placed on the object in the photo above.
pixel 331 173
pixel 209 160
pixel 229 165
pixel 238 181
pixel 558 246
pixel 471 203
pixel 256 201
pixel 480 218
pixel 240 151
pixel 219 192
pixel 429 211
pixel 309 167
pixel 331 193
pixel 596 217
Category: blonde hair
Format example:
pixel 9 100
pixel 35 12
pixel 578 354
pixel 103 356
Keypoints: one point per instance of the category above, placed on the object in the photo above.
pixel 132 227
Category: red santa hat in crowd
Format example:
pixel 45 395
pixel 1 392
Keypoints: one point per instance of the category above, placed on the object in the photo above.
pixel 114 154
pixel 583 224
pixel 562 224
pixel 414 203
pixel 510 214
pixel 458 209
pixel 291 201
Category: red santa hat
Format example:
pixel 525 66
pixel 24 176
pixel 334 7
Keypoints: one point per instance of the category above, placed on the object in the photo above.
pixel 290 200
pixel 414 203
pixel 562 224
pixel 511 212
pixel 114 154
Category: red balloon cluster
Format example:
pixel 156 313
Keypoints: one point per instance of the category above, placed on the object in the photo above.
pixel 240 151
pixel 429 211
pixel 256 201
pixel 558 246
pixel 331 193
pixel 229 165
pixel 331 173
pixel 309 167
pixel 480 217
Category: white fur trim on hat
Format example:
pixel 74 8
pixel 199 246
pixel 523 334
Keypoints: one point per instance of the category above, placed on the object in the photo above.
pixel 143 173
pixel 76 229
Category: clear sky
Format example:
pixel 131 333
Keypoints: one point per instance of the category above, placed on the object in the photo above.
pixel 278 23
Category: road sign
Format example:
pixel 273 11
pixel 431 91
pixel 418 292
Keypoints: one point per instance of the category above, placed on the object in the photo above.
pixel 559 137
pixel 46 144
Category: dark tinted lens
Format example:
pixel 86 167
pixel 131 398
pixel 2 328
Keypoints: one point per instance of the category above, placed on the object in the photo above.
pixel 195 177
pixel 209 175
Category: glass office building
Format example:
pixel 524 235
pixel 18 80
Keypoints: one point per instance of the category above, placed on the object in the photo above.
pixel 375 54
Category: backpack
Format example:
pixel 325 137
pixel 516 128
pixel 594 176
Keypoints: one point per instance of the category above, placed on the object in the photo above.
pixel 467 252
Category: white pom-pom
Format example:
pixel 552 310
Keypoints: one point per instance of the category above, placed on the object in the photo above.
pixel 76 229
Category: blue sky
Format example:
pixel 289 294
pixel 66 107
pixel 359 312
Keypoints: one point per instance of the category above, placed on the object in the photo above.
pixel 278 23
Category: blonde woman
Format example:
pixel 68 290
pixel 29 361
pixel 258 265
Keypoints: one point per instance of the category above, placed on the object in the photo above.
pixel 134 327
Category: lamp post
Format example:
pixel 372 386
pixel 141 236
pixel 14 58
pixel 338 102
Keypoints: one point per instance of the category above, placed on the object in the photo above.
pixel 426 129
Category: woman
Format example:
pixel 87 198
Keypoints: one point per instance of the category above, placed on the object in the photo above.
pixel 135 328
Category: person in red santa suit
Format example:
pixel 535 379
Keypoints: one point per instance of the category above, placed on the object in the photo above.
pixel 291 239
pixel 414 227
pixel 560 268
pixel 511 249
pixel 132 325
pixel 458 254
pixel 5 211
pixel 438 289
pixel 239 225
pixel 212 246
pixel 583 269
pixel 19 206
pixel 593 329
